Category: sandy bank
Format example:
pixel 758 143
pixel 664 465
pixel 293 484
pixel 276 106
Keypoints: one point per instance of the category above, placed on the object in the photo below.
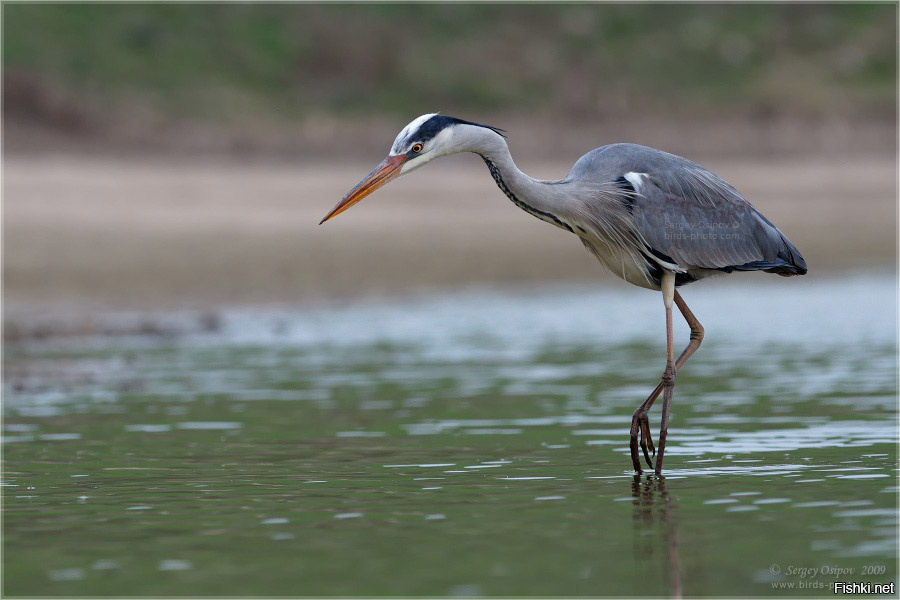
pixel 91 235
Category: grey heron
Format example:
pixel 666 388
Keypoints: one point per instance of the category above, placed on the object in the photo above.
pixel 657 220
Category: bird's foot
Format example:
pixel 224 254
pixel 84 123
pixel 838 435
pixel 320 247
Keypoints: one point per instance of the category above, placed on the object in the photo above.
pixel 640 435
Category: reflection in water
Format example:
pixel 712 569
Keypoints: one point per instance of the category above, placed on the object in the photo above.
pixel 652 502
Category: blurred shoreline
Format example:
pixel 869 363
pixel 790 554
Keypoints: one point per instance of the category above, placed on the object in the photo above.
pixel 91 236
pixel 334 140
pixel 179 157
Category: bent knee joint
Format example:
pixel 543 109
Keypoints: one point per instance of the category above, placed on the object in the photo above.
pixel 668 376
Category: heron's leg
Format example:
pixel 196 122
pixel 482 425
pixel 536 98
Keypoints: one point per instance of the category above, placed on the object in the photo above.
pixel 640 423
pixel 696 331
pixel 694 343
pixel 668 376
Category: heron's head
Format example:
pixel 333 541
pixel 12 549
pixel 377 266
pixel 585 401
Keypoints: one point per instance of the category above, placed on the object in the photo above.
pixel 423 140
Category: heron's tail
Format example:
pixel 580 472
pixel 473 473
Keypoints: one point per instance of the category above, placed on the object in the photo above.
pixel 792 262
pixel 788 262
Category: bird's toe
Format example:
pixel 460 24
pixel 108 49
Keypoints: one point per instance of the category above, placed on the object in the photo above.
pixel 635 457
pixel 640 437
pixel 647 441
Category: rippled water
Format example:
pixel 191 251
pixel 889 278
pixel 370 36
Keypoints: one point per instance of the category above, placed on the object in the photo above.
pixel 472 443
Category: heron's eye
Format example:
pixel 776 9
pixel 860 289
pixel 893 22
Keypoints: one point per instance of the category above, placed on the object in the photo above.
pixel 416 148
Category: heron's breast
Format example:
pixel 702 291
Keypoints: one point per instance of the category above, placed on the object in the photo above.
pixel 620 261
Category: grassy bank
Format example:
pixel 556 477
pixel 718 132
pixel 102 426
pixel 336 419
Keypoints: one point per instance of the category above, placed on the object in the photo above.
pixel 237 63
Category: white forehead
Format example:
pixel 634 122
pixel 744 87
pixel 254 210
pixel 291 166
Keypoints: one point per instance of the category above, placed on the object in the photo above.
pixel 402 139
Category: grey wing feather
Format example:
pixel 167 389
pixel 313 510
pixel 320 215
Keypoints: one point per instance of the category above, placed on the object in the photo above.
pixel 688 216
pixel 699 221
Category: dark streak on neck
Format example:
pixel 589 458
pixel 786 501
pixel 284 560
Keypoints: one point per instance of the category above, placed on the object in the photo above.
pixel 544 216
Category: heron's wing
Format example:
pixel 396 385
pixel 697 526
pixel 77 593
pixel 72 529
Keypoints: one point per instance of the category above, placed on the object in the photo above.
pixel 692 218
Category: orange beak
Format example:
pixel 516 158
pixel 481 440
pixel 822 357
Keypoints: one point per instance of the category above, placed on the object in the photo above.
pixel 388 169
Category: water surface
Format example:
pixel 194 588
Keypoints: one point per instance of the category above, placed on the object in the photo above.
pixel 463 444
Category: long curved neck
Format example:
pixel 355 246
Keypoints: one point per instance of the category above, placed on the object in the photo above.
pixel 539 198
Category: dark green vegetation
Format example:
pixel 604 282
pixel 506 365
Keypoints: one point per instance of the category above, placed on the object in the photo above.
pixel 468 445
pixel 239 62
